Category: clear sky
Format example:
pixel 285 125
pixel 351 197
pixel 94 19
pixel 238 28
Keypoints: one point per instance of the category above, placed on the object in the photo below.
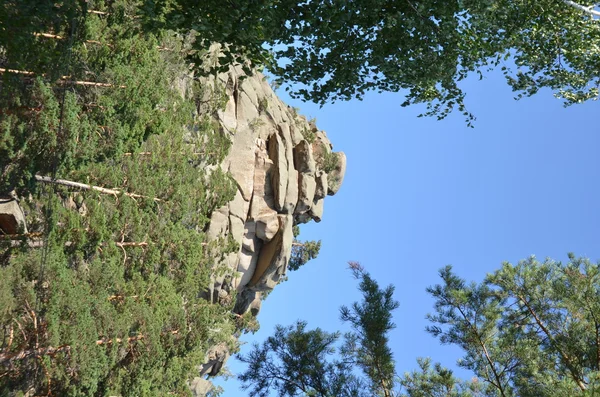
pixel 420 194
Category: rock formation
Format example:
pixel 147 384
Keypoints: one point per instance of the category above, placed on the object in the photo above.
pixel 12 219
pixel 284 168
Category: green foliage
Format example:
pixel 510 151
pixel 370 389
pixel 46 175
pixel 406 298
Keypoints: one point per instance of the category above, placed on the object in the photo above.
pixel 527 330
pixel 309 135
pixel 436 381
pixel 263 105
pixel 295 361
pixel 330 161
pixel 340 49
pixel 302 251
pixel 110 300
pixel 371 320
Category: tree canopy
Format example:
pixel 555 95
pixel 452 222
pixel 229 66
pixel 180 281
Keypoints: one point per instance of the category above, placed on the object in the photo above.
pixel 295 361
pixel 527 330
pixel 340 49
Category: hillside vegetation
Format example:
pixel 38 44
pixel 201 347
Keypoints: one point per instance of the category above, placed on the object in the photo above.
pixel 103 295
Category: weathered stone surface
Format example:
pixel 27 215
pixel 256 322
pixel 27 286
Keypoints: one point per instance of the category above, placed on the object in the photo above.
pixel 296 133
pixel 240 162
pixel 303 157
pixel 246 111
pixel 248 241
pixel 238 206
pixel 246 267
pixel 306 195
pixel 274 256
pixel 219 223
pixel 279 172
pixel 316 211
pixel 200 387
pixel 263 197
pixel 267 226
pixel 215 358
pixel 282 181
pixel 321 189
pixel 291 196
pixel 255 306
pixel 336 176
pixel 12 220
pixel 236 229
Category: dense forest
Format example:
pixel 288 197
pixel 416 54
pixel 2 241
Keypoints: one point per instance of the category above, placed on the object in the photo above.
pixel 102 294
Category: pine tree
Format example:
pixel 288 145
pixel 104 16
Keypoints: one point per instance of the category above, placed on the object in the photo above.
pixel 371 320
pixel 298 361
pixel 295 360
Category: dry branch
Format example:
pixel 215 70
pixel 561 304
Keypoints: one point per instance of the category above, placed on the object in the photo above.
pixel 58 37
pixel 55 36
pixel 114 192
pixel 20 236
pixel 63 79
pixel 7 358
pixel 98 12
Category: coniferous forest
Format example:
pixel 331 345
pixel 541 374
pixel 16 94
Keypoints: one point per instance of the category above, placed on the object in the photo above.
pixel 109 146
pixel 102 294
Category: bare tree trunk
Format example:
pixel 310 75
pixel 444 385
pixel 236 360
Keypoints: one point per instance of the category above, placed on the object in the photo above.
pixel 63 79
pixel 114 192
pixel 587 9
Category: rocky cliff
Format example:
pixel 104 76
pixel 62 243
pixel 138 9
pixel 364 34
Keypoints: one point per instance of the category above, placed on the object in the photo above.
pixel 284 168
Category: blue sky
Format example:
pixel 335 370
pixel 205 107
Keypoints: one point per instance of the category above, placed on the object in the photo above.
pixel 420 194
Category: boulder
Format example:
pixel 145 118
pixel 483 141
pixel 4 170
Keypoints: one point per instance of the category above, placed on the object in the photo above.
pixel 267 225
pixel 316 211
pixel 321 189
pixel 306 194
pixel 303 157
pixel 336 176
pixel 291 196
pixel 274 256
pixel 219 223
pixel 240 161
pixel 200 387
pixel 12 219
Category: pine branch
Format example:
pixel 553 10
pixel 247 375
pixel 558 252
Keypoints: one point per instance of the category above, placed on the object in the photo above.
pixel 565 357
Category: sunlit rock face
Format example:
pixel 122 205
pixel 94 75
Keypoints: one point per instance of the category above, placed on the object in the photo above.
pixel 284 168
